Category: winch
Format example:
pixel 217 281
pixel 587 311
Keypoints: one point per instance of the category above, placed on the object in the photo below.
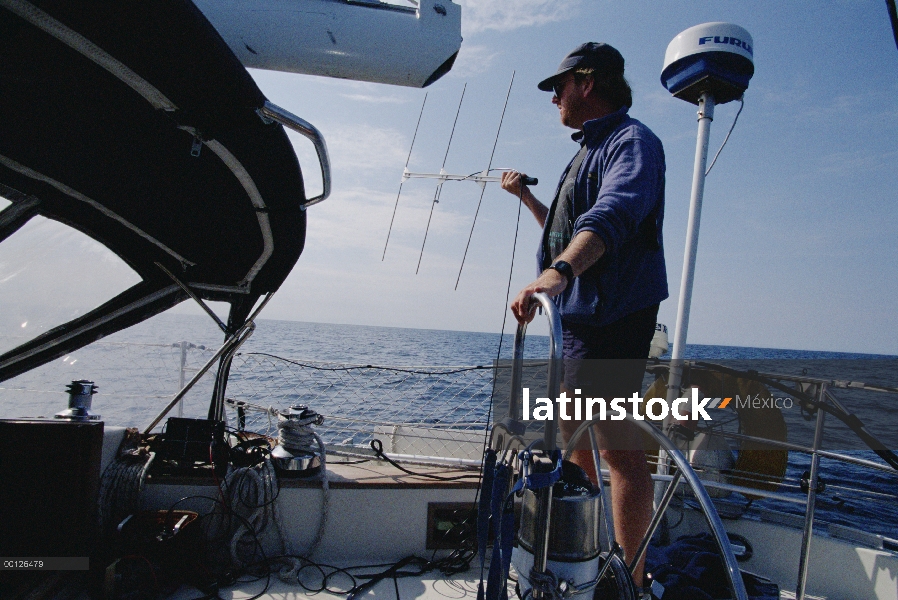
pixel 80 399
pixel 300 450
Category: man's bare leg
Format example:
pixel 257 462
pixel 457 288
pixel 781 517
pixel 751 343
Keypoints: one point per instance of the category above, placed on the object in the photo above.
pixel 631 482
pixel 631 501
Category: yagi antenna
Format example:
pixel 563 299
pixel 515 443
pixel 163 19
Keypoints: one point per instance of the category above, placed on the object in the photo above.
pixel 481 178
pixel 483 184
pixel 395 206
pixel 439 190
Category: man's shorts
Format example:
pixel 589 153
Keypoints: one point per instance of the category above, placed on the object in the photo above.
pixel 608 361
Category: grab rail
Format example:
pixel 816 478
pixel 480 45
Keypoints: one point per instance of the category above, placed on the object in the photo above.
pixel 544 495
pixel 517 364
pixel 303 127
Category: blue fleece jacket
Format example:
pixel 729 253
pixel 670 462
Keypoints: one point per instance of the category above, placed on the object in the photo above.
pixel 618 195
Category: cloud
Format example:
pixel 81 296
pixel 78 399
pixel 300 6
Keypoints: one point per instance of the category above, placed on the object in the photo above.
pixel 4 278
pixel 357 149
pixel 473 60
pixel 359 218
pixel 506 15
pixel 366 147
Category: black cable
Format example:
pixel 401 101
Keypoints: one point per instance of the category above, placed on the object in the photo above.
pixel 338 591
pixel 489 413
pixel 514 247
pixel 379 368
pixel 411 566
pixel 680 520
pixel 230 514
pixel 326 571
pixel 348 462
pixel 726 139
pixel 464 561
pixel 378 448
pixel 458 560
pixel 394 572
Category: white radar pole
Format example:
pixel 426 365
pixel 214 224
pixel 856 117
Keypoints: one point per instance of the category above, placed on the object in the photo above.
pixel 706 65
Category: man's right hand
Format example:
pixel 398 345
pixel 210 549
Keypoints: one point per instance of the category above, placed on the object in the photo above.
pixel 551 282
pixel 511 182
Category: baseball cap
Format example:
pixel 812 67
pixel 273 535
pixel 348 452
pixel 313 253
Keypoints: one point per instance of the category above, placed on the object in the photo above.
pixel 603 58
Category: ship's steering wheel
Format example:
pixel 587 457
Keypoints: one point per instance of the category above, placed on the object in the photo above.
pixel 684 470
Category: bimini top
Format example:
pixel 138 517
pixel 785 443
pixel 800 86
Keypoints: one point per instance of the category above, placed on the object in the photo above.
pixel 134 123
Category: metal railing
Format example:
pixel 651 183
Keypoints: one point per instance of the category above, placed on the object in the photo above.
pixel 431 408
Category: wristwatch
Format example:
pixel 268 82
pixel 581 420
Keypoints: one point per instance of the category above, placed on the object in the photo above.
pixel 565 269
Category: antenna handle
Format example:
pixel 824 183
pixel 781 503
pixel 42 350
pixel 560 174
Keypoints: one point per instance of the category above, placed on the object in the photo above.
pixel 529 180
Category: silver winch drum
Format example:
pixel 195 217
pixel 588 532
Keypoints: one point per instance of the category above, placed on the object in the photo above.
pixel 574 544
pixel 297 453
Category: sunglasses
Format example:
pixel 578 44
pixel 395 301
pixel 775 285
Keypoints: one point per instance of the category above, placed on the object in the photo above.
pixel 558 86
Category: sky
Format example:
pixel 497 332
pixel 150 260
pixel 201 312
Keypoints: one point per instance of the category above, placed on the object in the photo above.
pixel 799 228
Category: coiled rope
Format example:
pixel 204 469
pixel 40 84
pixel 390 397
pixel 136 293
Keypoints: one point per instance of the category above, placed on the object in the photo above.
pixel 122 482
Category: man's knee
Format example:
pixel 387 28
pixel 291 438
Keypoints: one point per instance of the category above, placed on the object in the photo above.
pixel 625 461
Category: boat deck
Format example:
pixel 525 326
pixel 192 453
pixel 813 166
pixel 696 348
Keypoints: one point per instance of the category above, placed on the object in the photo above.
pixel 377 515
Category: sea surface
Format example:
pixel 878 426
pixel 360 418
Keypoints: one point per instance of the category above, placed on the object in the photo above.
pixel 140 369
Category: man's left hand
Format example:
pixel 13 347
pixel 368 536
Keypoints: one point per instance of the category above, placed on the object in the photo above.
pixel 550 282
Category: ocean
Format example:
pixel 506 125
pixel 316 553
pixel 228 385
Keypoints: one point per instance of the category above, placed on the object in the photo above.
pixel 333 368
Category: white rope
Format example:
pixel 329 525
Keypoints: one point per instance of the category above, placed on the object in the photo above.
pixel 253 492
pixel 290 572
pixel 296 434
pixel 325 498
pixel 121 485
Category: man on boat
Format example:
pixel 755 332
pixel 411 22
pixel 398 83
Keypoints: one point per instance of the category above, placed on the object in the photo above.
pixel 601 260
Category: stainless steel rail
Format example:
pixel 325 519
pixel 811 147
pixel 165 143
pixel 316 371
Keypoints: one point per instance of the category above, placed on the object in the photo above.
pixel 544 495
pixel 861 462
pixel 656 519
pixel 303 127
pixel 804 557
pixel 226 354
pixel 229 347
pixel 823 395
pixel 517 363
pixel 831 383
pixel 543 518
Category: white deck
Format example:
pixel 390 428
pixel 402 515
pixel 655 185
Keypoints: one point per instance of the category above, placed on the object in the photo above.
pixel 378 515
